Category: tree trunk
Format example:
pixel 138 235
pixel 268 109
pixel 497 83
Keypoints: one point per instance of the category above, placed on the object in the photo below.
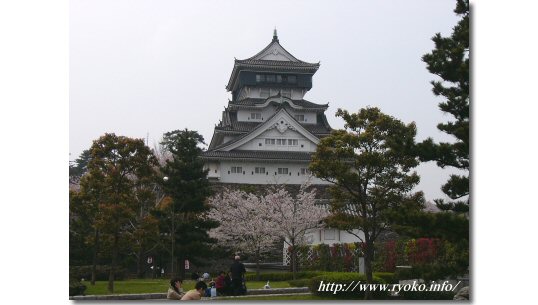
pixel 94 259
pixel 181 265
pixel 172 256
pixel 258 265
pixel 113 265
pixel 368 257
pixel 293 260
pixel 140 264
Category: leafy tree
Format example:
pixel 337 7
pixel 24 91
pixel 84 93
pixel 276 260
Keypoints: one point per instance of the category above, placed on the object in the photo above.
pixel 84 210
pixel 118 170
pixel 450 61
pixel 80 232
pixel 183 214
pixel 369 163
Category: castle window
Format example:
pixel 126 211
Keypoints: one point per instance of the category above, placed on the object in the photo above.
pixel 260 78
pixel 305 171
pixel 279 78
pixel 282 171
pixel 269 141
pixel 237 170
pixel 270 78
pixel 256 116
pixel 293 142
pixel 292 79
pixel 259 170
pixel 299 117
pixel 281 142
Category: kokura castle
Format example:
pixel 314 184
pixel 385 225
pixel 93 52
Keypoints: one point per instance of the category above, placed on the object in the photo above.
pixel 268 131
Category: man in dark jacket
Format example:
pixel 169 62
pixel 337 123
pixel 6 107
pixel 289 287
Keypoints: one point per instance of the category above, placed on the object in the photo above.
pixel 238 274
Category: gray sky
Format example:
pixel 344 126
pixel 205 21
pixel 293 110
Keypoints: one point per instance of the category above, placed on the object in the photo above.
pixel 139 67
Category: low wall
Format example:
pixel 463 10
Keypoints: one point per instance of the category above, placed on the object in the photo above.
pixel 156 296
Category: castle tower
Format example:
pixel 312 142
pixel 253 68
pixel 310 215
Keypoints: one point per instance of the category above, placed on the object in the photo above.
pixel 268 131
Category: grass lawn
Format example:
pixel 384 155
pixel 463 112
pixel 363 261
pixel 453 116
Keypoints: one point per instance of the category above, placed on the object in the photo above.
pixel 157 286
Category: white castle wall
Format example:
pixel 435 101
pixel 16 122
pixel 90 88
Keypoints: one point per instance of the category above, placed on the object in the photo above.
pixel 258 143
pixel 248 176
pixel 331 236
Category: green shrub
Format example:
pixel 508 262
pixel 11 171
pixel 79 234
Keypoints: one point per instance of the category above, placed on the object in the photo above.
pixel 345 278
pixel 299 283
pixel 388 277
pixel 101 274
pixel 282 276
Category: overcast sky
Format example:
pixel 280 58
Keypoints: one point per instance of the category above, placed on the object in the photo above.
pixel 148 67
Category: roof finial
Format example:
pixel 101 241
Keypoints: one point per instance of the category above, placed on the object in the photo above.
pixel 275 36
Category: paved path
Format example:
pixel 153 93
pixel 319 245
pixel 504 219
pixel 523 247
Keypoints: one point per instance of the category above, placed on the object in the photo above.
pixel 162 296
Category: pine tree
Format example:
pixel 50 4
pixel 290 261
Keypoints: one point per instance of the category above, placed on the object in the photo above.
pixel 450 61
pixel 183 215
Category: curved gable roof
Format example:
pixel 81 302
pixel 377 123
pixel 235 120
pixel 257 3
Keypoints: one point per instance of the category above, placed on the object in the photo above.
pixel 267 125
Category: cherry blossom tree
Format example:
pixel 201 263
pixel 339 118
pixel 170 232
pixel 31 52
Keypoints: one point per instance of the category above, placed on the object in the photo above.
pixel 294 216
pixel 246 223
pixel 253 223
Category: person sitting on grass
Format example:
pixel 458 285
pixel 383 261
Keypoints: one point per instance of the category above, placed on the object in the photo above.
pixel 175 292
pixel 220 283
pixel 196 293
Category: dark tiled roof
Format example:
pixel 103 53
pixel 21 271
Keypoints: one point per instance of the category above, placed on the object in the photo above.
pixel 258 155
pixel 239 126
pixel 271 44
pixel 277 63
pixel 259 101
pixel 236 126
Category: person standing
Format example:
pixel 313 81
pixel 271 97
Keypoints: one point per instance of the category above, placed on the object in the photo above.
pixel 238 273
pixel 228 289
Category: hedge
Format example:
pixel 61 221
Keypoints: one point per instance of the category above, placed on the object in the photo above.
pixel 283 276
pixel 345 278
pixel 300 283
pixel 388 277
